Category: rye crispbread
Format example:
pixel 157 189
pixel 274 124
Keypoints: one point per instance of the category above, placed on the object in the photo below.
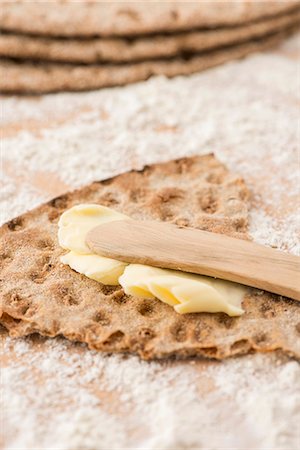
pixel 41 295
pixel 123 18
pixel 96 50
pixel 25 77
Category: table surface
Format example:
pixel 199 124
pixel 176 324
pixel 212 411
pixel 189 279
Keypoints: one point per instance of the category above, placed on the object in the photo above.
pixel 57 394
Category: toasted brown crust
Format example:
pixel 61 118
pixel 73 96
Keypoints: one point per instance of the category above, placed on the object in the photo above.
pixel 96 50
pixel 39 294
pixel 52 77
pixel 125 18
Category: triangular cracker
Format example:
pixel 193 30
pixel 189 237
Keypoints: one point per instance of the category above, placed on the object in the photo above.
pixel 39 294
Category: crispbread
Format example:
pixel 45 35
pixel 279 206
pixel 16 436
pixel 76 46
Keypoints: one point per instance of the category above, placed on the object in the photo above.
pixel 39 294
pixel 61 18
pixel 95 50
pixel 19 77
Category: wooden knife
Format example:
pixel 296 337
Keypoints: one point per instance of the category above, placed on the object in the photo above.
pixel 168 246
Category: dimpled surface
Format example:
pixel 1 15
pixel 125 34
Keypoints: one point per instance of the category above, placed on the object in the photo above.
pixel 39 294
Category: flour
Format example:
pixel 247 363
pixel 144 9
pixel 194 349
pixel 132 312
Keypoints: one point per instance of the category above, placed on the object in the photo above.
pixel 157 405
pixel 59 395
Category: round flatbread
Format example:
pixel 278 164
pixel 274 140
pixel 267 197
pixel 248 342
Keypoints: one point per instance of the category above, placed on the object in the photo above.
pixel 52 77
pixel 96 50
pixel 123 18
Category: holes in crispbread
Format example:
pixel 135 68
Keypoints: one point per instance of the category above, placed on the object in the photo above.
pixel 166 215
pixel 209 352
pixel 109 199
pixel 137 195
pixel 108 290
pixel 215 178
pixel 102 318
pixel 45 244
pixel 201 331
pixel 114 338
pixel 146 308
pixel 267 310
pixel 182 222
pixel 5 255
pixel 146 334
pixel 60 202
pixel 179 332
pixel 15 224
pixel 41 269
pixel 240 223
pixel 70 300
pixel 9 321
pixel 120 297
pixel 53 215
pixel 47 267
pixel 37 277
pixel 16 301
pixel 5 258
pixel 170 194
pixel 65 295
pixel 183 165
pixel 225 320
pixel 163 201
pixel 241 346
pixel 260 338
pixel 30 310
pixel 208 200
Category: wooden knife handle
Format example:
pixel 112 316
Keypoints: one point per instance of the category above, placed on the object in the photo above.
pixel 165 245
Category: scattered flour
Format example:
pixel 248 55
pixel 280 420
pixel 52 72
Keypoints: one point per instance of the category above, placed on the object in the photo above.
pixel 109 402
pixel 59 395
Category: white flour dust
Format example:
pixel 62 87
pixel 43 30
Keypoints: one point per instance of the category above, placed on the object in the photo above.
pixel 88 400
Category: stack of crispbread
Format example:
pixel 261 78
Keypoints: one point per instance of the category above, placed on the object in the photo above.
pixel 54 46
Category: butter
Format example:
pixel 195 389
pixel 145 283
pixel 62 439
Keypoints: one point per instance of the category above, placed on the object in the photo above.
pixel 73 226
pixel 104 270
pixel 76 222
pixel 186 293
